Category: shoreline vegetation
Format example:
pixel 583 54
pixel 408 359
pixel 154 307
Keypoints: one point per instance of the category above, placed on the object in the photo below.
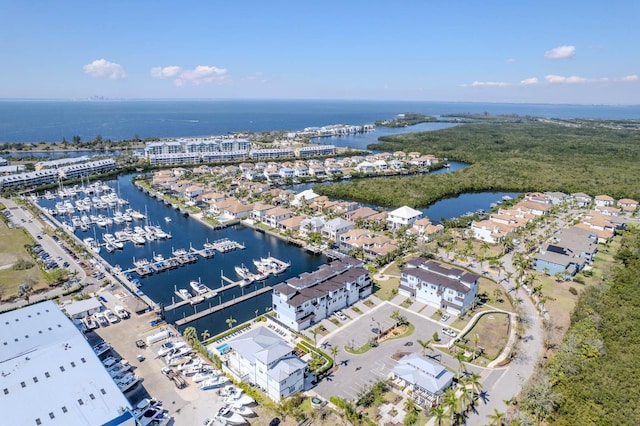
pixel 516 155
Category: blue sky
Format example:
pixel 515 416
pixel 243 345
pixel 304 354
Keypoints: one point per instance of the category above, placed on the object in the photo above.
pixel 583 52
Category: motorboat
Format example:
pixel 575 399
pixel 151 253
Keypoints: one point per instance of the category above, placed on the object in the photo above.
pixel 213 382
pixel 199 288
pixel 111 317
pixel 121 312
pixel 184 294
pixel 167 219
pixel 153 415
pixel 101 319
pixel 127 382
pixel 243 410
pixel 243 272
pixel 226 416
pixel 101 348
pixel 169 346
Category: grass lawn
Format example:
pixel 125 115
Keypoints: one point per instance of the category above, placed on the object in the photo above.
pixel 386 289
pixel 493 331
pixel 12 242
pixel 488 287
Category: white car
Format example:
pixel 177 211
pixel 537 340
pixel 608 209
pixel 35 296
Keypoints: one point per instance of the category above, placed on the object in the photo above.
pixel 449 332
pixel 341 316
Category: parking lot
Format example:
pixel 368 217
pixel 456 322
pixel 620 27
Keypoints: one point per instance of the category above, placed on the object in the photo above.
pixel 356 372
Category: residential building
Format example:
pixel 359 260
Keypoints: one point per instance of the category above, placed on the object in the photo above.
pixel 448 288
pixel 311 297
pixel 569 251
pixel 604 200
pixel 262 358
pixel 336 227
pixel 274 215
pixel 403 216
pixel 426 379
pixel 316 150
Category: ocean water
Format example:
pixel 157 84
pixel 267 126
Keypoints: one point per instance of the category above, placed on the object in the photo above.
pixel 51 121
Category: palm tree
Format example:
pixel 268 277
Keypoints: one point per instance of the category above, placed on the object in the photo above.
pixel 466 397
pixel 315 332
pixel 205 335
pixel 230 321
pixel 334 352
pixel 451 402
pixel 438 414
pixel 476 340
pixel 473 379
pixel 460 357
pixel 191 334
pixel 426 344
pixel 24 290
pixel 496 417
pixel 409 406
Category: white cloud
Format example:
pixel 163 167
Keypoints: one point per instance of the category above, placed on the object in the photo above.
pixel 632 77
pixel 561 52
pixel 529 81
pixel 487 84
pixel 101 68
pixel 559 79
pixel 202 74
pixel 165 72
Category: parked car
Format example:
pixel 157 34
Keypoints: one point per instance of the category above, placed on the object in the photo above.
pixel 341 316
pixel 449 332
pixel 445 317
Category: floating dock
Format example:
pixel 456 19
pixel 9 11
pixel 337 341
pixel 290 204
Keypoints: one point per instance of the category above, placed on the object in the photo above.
pixel 213 293
pixel 225 305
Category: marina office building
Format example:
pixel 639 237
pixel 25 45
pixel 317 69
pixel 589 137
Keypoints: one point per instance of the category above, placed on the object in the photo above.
pixel 51 375
pixel 311 297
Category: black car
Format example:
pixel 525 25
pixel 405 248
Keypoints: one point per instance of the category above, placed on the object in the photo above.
pixel 274 422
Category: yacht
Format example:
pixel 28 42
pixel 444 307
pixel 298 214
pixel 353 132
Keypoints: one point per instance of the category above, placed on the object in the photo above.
pixel 167 219
pixel 243 271
pixel 128 382
pixel 184 293
pixel 199 288
pixel 101 319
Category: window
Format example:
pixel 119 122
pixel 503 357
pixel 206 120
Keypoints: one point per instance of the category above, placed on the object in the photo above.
pixel 92 396
pixel 62 368
pixel 80 402
pixel 51 415
pixel 73 364
pixel 64 409
pixel 38 422
pixel 23 384
pixel 35 380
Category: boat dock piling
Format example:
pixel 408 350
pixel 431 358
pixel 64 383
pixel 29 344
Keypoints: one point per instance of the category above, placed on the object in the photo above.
pixel 222 306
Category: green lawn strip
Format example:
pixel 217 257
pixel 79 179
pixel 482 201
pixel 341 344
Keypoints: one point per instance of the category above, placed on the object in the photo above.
pixel 386 289
pixel 493 332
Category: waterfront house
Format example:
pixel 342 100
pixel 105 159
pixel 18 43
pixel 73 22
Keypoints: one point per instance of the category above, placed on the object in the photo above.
pixel 444 287
pixel 426 379
pixel 365 167
pixel 304 197
pixel 311 224
pixel 311 297
pixel 336 227
pixel 259 211
pixel 263 359
pixel 403 216
pixel 274 215
pixel 291 224
pixel 533 207
pixel 371 243
pixel 557 197
pixel 361 213
pixel 287 173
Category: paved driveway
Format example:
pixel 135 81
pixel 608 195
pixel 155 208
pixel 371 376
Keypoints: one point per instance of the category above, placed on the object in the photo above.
pixel 356 372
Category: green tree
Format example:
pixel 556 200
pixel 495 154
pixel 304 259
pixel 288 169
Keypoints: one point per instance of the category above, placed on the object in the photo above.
pixel 191 334
pixel 231 321
pixel 334 353
pixel 496 417
pixel 205 335
pixel 425 344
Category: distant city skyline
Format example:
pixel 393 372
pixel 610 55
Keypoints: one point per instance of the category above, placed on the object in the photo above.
pixel 501 51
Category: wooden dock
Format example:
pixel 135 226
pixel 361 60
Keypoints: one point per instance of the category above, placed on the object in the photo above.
pixel 225 305
pixel 213 293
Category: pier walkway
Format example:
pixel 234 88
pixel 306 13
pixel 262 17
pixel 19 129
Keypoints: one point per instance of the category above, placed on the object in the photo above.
pixel 224 305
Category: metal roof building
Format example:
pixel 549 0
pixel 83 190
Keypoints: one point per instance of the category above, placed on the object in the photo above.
pixel 50 374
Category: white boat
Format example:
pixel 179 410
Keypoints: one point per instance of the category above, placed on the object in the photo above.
pixel 202 376
pixel 167 219
pixel 196 299
pixel 226 416
pixel 91 323
pixel 169 346
pixel 153 415
pixel 199 288
pixel 111 317
pixel 127 382
pixel 108 247
pixel 158 257
pixel 184 294
pixel 101 348
pixel 214 382
pixel 101 319
pixel 121 312
pixel 135 214
pixel 243 410
pixel 243 272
